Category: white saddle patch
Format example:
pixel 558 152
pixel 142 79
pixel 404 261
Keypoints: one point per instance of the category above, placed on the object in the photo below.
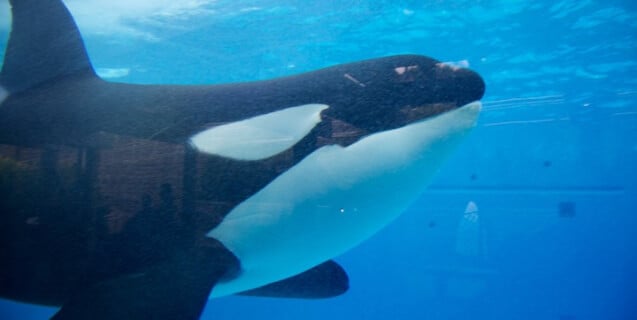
pixel 262 136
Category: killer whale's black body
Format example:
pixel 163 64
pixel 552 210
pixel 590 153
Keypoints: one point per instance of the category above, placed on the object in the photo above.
pixel 104 203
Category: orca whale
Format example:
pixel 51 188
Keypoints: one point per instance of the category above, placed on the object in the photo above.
pixel 142 201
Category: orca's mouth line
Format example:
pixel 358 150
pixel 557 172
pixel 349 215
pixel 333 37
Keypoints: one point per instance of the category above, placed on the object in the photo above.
pixel 420 114
pixel 415 114
pixel 443 109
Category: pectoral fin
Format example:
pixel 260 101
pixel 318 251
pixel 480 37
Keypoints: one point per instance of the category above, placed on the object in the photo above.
pixel 326 280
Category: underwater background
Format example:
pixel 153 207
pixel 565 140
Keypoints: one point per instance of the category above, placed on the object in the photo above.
pixel 533 218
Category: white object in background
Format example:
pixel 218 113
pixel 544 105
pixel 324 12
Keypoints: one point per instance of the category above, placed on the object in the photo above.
pixel 469 237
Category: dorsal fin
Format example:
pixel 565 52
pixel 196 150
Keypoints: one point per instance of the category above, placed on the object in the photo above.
pixel 44 44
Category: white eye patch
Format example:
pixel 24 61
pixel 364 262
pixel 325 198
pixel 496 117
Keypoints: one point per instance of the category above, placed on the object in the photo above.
pixel 262 136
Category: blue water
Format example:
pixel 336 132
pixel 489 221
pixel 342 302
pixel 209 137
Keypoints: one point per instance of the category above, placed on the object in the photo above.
pixel 551 166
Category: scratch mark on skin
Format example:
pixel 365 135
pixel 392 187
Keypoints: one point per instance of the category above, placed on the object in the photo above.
pixel 356 81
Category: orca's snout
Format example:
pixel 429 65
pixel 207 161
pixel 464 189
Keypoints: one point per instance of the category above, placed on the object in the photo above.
pixel 471 83
pixel 388 93
pixel 460 85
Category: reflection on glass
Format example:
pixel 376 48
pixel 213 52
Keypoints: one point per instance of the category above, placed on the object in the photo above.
pixel 470 237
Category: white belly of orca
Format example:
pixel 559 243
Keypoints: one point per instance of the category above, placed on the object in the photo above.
pixel 335 198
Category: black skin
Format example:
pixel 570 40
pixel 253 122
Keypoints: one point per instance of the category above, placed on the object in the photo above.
pixel 100 191
pixel 76 131
pixel 370 95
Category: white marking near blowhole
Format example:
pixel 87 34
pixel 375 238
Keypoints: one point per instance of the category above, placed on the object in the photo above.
pixel 455 65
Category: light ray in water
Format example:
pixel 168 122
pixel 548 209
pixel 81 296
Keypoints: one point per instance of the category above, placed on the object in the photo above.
pixel 504 123
pixel 519 102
